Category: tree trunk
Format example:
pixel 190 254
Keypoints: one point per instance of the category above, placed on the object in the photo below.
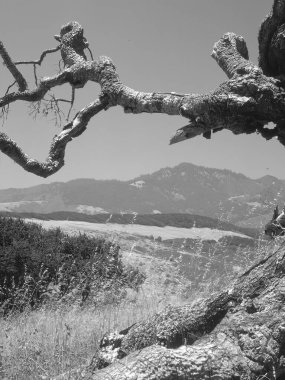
pixel 238 334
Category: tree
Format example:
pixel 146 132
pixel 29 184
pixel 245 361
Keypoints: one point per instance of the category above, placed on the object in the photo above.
pixel 239 333
pixel 251 98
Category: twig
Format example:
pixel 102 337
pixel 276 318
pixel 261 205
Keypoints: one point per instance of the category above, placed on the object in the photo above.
pixel 5 109
pixel 91 55
pixel 39 61
pixel 11 85
pixel 35 75
pixel 71 102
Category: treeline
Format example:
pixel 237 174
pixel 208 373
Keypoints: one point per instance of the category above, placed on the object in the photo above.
pixel 38 265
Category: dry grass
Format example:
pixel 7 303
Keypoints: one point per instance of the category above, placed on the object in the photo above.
pixel 52 340
pixel 44 343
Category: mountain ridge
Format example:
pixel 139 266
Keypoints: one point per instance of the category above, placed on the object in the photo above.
pixel 185 188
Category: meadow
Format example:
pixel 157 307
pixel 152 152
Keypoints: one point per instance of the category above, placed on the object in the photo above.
pixel 61 290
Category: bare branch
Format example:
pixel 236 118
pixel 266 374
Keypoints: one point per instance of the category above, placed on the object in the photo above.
pixel 35 75
pixel 55 158
pixel 91 55
pixel 67 76
pixel 243 104
pixel 71 102
pixel 12 68
pixel 9 87
pixel 231 54
pixel 45 106
pixel 5 110
pixel 39 61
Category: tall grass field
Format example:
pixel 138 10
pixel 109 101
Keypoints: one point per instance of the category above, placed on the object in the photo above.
pixel 60 293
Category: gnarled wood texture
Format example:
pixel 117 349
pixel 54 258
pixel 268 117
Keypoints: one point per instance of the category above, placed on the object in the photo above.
pixel 237 334
pixel 253 96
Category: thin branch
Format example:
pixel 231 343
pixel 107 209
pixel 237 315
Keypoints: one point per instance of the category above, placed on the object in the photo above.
pixel 5 110
pixel 45 106
pixel 56 155
pixel 39 61
pixel 35 75
pixel 9 87
pixel 12 68
pixel 91 55
pixel 39 92
pixel 71 102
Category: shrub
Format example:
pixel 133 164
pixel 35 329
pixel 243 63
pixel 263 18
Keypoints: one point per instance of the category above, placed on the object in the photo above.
pixel 38 265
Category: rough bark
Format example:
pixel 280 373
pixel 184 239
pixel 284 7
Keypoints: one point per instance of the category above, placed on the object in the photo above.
pixel 238 334
pixel 252 97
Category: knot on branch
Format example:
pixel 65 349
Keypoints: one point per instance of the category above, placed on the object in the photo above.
pixel 73 43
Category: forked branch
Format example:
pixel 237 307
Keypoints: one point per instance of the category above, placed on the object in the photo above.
pixel 56 155
pixel 246 103
pixel 40 60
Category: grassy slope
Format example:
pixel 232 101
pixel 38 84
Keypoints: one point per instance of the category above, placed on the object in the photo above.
pixel 50 341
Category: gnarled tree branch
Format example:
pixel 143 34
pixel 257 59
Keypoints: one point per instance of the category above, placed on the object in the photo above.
pixel 56 155
pixel 245 103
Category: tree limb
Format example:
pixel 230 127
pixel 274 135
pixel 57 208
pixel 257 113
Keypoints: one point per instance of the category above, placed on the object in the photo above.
pixel 246 103
pixel 39 61
pixel 56 155
pixel 12 68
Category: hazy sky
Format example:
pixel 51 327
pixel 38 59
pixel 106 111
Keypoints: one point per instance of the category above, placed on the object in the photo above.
pixel 157 45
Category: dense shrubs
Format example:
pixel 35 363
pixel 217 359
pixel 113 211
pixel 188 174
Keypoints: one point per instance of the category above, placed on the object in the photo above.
pixel 38 265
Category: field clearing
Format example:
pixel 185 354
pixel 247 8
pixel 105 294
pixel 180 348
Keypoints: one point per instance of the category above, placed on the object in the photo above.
pixel 165 233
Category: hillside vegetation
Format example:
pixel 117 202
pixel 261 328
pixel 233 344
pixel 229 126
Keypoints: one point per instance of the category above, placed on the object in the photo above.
pixel 40 266
pixel 60 292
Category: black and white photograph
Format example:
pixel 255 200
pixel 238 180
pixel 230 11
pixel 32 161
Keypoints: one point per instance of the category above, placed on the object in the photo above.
pixel 142 190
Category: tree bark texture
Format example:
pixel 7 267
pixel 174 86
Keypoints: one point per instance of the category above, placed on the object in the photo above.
pixel 252 97
pixel 237 334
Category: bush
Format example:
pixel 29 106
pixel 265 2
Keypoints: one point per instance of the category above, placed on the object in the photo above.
pixel 38 265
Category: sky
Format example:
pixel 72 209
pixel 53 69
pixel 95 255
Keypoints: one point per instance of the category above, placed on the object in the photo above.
pixel 157 46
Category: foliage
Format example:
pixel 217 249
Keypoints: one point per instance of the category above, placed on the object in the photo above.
pixel 38 265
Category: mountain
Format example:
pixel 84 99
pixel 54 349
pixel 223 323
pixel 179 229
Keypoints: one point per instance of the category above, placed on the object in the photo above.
pixel 185 188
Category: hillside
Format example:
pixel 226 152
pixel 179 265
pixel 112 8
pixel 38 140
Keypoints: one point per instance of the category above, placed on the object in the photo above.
pixel 185 188
pixel 154 220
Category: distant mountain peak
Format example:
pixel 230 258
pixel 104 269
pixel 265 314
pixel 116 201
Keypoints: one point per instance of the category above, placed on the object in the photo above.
pixel 185 188
pixel 268 179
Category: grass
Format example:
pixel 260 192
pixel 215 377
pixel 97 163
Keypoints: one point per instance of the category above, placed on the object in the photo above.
pixel 43 343
pixel 59 336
